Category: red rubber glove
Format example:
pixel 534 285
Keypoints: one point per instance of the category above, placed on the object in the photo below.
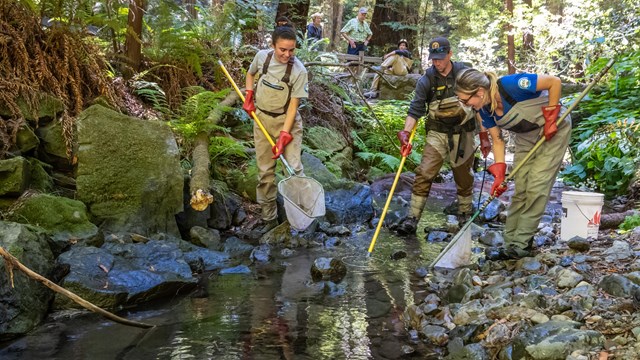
pixel 498 170
pixel 284 139
pixel 485 145
pixel 550 114
pixel 405 148
pixel 248 105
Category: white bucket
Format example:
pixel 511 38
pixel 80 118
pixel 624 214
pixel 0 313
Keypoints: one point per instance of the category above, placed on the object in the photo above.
pixel 581 214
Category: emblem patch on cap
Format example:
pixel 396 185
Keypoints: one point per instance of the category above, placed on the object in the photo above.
pixel 524 83
pixel 435 45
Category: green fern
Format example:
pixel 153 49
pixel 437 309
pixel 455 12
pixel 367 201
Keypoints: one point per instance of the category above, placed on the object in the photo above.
pixel 225 151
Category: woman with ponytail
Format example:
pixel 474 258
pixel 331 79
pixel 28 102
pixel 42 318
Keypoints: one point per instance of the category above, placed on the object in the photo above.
pixel 528 105
pixel 275 97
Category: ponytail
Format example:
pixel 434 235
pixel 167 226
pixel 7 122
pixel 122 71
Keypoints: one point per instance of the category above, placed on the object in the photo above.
pixel 469 81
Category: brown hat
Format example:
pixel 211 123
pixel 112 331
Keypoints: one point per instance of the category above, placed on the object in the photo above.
pixel 439 48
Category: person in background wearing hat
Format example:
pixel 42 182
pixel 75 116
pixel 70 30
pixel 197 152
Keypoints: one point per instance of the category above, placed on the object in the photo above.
pixel 450 129
pixel 398 62
pixel 314 29
pixel 357 33
pixel 528 105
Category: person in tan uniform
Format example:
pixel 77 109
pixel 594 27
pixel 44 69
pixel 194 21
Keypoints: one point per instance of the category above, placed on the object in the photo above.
pixel 275 96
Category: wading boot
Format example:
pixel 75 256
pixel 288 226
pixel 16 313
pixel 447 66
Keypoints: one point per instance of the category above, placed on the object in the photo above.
pixel 465 209
pixel 510 252
pixel 266 226
pixel 409 225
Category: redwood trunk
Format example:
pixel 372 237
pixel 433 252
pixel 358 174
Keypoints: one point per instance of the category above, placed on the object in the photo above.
pixel 296 10
pixel 132 43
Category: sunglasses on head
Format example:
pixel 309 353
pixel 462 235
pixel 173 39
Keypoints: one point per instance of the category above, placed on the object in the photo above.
pixel 439 50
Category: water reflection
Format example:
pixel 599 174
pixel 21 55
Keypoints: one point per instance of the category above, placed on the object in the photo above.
pixel 275 313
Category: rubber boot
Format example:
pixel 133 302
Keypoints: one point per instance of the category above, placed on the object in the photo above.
pixel 409 225
pixel 267 225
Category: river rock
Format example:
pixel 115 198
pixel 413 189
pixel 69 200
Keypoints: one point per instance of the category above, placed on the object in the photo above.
pixel 118 274
pixel 552 340
pixel 128 172
pixel 65 220
pixel 328 269
pixel 578 243
pixel 459 351
pixel 620 250
pixel 349 206
pixel 207 238
pixel 26 304
pixel 492 238
pixel 617 285
pixel 568 278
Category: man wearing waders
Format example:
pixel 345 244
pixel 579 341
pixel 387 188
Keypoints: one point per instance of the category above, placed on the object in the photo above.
pixel 450 129
pixel 528 105
pixel 281 84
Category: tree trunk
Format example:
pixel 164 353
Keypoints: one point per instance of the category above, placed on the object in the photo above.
pixel 191 8
pixel 337 11
pixel 610 221
pixel 511 52
pixel 133 42
pixel 386 37
pixel 527 36
pixel 296 10
pixel 199 185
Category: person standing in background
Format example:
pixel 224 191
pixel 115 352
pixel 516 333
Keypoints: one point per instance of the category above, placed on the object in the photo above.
pixel 357 33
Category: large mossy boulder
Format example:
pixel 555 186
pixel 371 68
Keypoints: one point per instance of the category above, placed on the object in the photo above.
pixel 14 176
pixel 332 149
pixel 65 220
pixel 399 87
pixel 26 304
pixel 128 173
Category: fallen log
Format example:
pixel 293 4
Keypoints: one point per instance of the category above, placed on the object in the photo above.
pixel 610 221
pixel 12 262
pixel 201 197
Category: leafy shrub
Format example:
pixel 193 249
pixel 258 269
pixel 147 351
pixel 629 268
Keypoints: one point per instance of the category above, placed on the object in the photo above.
pixel 605 144
pixel 630 222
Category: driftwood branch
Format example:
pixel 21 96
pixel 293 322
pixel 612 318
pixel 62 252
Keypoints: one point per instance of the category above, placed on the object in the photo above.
pixel 201 197
pixel 13 262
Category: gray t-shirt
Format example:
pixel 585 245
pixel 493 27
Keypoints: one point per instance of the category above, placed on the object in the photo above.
pixel 298 79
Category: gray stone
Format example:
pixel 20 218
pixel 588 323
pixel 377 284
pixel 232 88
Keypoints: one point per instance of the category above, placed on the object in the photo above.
pixel 568 278
pixel 552 340
pixel 27 303
pixel 492 238
pixel 578 243
pixel 208 238
pixel 617 285
pixel 129 173
pixel 436 335
pixel 620 250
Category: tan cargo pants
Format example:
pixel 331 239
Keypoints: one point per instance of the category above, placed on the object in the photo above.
pixel 266 191
pixel 436 150
pixel 399 66
pixel 533 184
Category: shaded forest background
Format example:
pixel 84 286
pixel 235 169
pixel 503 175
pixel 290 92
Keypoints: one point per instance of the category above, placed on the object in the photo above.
pixel 165 52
